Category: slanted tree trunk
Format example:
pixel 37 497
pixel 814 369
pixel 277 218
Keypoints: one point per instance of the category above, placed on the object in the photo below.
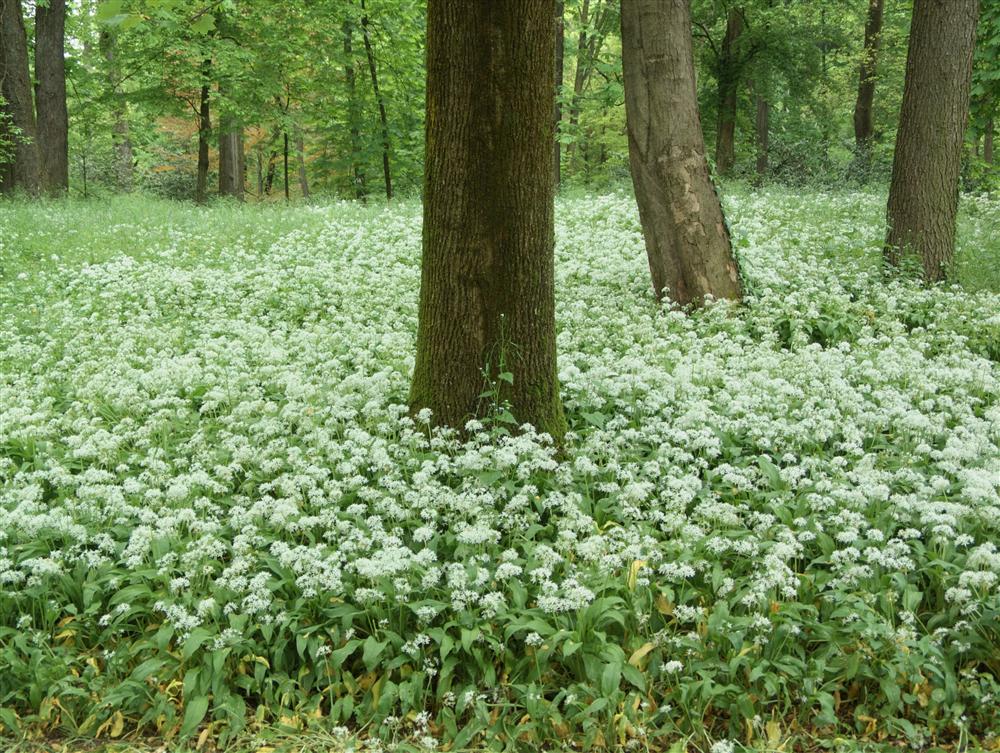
pixel 729 79
pixel 923 194
pixel 763 134
pixel 559 64
pixel 354 115
pixel 687 241
pixel 383 119
pixel 124 159
pixel 300 149
pixel 864 123
pixel 487 304
pixel 204 132
pixel 50 95
pixel 25 171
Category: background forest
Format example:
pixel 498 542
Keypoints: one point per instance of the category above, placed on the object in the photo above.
pixel 326 97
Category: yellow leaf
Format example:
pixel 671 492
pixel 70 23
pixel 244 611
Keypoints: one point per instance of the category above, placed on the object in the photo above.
pixel 633 573
pixel 663 606
pixel 773 729
pixel 117 724
pixel 637 656
pixel 203 737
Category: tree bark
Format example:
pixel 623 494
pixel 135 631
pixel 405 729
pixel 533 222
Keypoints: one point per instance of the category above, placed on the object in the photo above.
pixel 231 157
pixel 373 70
pixel 124 159
pixel 487 307
pixel 923 194
pixel 729 78
pixel 25 171
pixel 559 64
pixel 763 133
pixel 300 149
pixel 354 115
pixel 864 124
pixel 687 241
pixel 50 95
pixel 204 132
pixel 284 155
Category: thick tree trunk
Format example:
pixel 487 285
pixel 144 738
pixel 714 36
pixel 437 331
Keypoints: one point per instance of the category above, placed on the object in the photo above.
pixel 354 115
pixel 988 142
pixel 50 95
pixel 487 307
pixel 763 129
pixel 923 195
pixel 559 64
pixel 729 79
pixel 231 159
pixel 864 124
pixel 300 149
pixel 25 171
pixel 687 241
pixel 124 159
pixel 204 132
pixel 373 70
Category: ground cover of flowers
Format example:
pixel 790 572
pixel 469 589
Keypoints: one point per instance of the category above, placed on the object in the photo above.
pixel 770 522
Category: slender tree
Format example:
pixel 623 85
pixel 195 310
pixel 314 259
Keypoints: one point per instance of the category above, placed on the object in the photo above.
pixel 379 99
pixel 25 171
pixel 204 131
pixel 687 241
pixel 353 114
pixel 50 94
pixel 487 309
pixel 923 194
pixel 728 72
pixel 121 135
pixel 864 121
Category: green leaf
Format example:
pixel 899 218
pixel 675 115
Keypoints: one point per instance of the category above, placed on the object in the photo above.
pixel 373 650
pixel 194 712
pixel 204 24
pixel 611 678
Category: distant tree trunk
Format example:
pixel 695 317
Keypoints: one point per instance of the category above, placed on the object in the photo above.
pixel 687 241
pixel 301 151
pixel 923 194
pixel 25 171
pixel 204 132
pixel 587 50
pixel 559 64
pixel 728 76
pixel 231 158
pixel 50 95
pixel 864 124
pixel 988 142
pixel 487 304
pixel 763 129
pixel 124 159
pixel 386 174
pixel 354 116
pixel 285 156
pixel 272 159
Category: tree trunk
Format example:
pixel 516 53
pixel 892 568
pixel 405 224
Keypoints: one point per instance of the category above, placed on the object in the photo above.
pixel 763 129
pixel 285 157
pixel 923 194
pixel 25 171
pixel 231 159
pixel 559 64
pixel 301 151
pixel 988 142
pixel 353 115
pixel 864 124
pixel 124 159
pixel 687 241
pixel 729 79
pixel 380 100
pixel 204 132
pixel 487 308
pixel 50 95
pixel 588 48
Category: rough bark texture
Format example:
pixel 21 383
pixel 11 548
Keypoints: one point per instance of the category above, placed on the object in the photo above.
pixel 687 241
pixel 729 79
pixel 25 172
pixel 204 132
pixel 231 158
pixel 864 124
pixel 559 64
pixel 354 115
pixel 50 95
pixel 383 119
pixel 487 282
pixel 124 163
pixel 923 194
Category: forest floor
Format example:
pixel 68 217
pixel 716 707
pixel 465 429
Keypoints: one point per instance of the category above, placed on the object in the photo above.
pixel 774 526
